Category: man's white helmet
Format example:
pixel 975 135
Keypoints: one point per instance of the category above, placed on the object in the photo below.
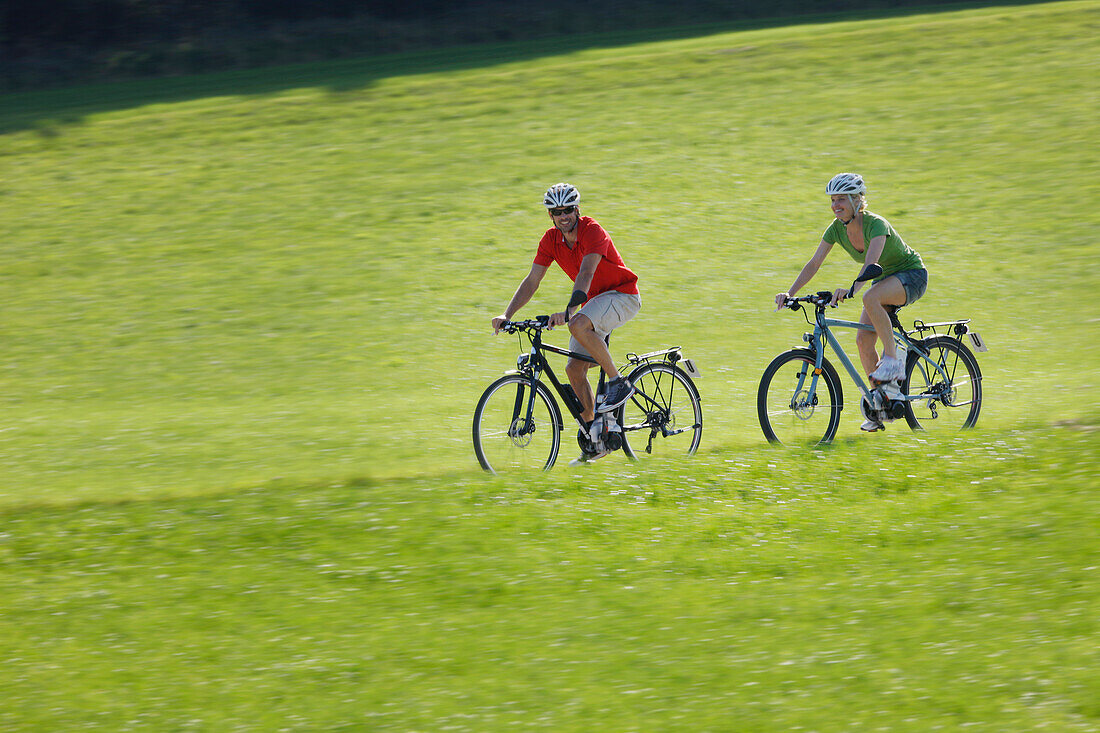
pixel 851 183
pixel 562 194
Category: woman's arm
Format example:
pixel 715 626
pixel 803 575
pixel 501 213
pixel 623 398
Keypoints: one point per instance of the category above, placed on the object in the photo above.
pixel 874 251
pixel 808 271
pixel 870 257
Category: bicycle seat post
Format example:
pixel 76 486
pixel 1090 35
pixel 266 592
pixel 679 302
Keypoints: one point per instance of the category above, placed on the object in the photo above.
pixel 600 387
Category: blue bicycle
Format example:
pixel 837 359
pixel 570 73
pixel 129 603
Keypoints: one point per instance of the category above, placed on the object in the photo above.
pixel 800 399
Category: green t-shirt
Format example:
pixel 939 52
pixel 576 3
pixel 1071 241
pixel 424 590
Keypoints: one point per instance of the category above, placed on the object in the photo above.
pixel 897 256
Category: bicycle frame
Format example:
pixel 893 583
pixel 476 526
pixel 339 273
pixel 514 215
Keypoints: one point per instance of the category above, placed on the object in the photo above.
pixel 823 333
pixel 535 364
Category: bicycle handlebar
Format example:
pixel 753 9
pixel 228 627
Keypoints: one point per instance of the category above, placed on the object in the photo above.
pixel 824 298
pixel 538 323
pixel 820 299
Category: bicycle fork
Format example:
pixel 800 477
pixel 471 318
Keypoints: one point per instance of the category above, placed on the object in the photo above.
pixel 809 396
pixel 520 429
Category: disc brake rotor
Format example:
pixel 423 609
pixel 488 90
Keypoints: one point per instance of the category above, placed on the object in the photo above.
pixel 520 435
pixel 802 405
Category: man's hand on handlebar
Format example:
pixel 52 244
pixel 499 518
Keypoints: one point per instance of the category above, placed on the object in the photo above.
pixel 781 301
pixel 498 322
pixel 559 319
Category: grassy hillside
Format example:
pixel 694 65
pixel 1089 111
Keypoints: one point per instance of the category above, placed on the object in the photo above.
pixel 246 324
pixel 232 288
pixel 746 592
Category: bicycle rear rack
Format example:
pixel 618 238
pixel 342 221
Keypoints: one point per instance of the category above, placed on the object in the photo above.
pixel 671 354
pixel 959 328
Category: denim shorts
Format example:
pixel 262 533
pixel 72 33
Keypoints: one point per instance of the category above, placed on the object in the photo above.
pixel 915 283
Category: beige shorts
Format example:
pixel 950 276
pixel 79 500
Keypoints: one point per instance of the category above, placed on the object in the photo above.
pixel 607 311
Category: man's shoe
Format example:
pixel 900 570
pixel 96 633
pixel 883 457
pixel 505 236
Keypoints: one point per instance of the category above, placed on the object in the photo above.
pixel 870 426
pixel 586 457
pixel 618 392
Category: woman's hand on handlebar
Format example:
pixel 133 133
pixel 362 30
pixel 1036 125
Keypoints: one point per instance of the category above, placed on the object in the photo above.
pixel 781 301
pixel 839 296
pixel 498 322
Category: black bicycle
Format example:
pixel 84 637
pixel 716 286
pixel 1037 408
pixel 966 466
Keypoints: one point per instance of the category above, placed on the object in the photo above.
pixel 518 424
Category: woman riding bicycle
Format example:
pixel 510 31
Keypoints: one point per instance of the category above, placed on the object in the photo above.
pixel 868 239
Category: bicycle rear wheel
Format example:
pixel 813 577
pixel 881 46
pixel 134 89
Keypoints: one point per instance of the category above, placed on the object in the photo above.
pixel 792 406
pixel 516 427
pixel 948 383
pixel 664 416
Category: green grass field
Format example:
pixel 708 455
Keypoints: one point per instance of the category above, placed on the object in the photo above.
pixel 246 321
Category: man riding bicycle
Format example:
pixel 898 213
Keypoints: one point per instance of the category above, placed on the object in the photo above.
pixel 869 239
pixel 604 288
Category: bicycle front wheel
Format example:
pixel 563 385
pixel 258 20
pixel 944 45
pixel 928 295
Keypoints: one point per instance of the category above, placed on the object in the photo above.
pixel 797 406
pixel 516 426
pixel 946 386
pixel 665 415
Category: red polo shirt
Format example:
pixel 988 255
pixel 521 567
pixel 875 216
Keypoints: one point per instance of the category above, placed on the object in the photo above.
pixel 611 273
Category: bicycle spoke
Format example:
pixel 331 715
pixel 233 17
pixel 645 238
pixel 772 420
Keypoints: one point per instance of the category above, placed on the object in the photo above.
pixel 796 406
pixel 515 426
pixel 664 415
pixel 950 392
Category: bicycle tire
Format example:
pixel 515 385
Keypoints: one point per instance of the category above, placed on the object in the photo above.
pixel 962 390
pixel 502 439
pixel 658 403
pixel 785 418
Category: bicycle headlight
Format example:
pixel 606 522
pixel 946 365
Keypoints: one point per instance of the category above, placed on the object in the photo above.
pixel 522 360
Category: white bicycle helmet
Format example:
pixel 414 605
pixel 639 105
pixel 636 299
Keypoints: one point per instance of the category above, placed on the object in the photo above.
pixel 562 194
pixel 850 183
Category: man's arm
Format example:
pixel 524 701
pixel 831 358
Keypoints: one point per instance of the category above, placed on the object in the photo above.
pixel 584 280
pixel 587 271
pixel 524 293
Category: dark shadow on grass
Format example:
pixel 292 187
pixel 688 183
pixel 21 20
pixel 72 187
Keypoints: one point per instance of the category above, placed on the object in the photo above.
pixel 49 111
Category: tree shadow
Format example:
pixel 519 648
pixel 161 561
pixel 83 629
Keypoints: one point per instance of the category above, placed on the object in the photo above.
pixel 49 111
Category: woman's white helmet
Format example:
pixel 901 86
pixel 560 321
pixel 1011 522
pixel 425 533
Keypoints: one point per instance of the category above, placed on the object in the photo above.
pixel 852 186
pixel 846 183
pixel 560 195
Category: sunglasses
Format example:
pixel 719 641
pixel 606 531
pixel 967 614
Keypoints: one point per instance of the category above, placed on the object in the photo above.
pixel 566 210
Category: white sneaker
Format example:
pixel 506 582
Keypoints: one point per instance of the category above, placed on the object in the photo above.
pixel 889 369
pixel 870 426
pixel 892 390
pixel 584 458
